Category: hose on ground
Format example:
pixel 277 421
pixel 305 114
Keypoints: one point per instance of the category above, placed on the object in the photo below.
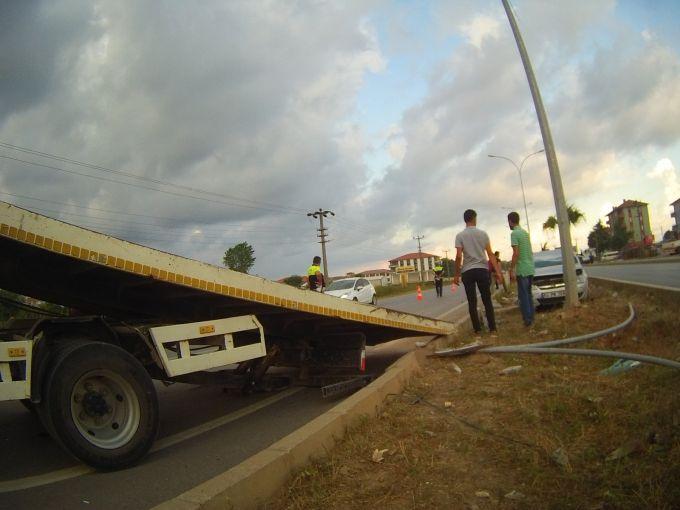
pixel 549 347
pixel 643 358
pixel 587 336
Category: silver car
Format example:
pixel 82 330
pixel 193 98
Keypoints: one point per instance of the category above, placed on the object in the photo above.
pixel 548 284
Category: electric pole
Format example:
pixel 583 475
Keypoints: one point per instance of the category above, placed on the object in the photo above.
pixel 321 214
pixel 571 294
pixel 420 256
pixel 446 256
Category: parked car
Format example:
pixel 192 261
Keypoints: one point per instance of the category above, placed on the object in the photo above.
pixel 548 285
pixel 671 248
pixel 609 255
pixel 356 289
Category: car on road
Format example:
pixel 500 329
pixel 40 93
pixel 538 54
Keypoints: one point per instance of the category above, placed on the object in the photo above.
pixel 548 283
pixel 355 289
pixel 671 248
pixel 609 255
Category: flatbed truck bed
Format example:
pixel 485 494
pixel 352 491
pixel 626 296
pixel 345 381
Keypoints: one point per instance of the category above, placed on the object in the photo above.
pixel 145 314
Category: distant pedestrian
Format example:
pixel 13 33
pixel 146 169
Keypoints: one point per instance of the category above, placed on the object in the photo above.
pixel 522 267
pixel 473 247
pixel 497 256
pixel 439 278
pixel 315 277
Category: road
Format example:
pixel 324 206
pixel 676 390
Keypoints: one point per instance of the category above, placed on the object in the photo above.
pixel 203 433
pixel 665 274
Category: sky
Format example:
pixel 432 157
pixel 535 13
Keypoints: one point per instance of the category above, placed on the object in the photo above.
pixel 191 127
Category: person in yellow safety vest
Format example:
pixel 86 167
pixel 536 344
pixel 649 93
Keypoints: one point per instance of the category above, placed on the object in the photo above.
pixel 439 279
pixel 315 276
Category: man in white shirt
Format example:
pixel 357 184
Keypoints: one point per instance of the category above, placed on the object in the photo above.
pixel 474 249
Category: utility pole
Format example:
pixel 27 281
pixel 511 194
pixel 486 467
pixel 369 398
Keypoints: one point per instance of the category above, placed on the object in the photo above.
pixel 571 294
pixel 446 256
pixel 321 214
pixel 420 256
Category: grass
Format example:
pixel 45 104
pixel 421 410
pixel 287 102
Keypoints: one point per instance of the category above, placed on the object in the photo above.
pixel 396 290
pixel 469 440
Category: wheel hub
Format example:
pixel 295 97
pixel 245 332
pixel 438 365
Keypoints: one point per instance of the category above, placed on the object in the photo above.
pixel 94 404
pixel 105 409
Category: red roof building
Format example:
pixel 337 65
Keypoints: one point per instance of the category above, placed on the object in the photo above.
pixel 415 261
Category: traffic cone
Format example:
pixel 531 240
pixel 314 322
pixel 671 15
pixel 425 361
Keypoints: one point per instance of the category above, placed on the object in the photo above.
pixel 419 294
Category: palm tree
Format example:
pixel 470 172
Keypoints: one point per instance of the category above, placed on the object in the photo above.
pixel 575 216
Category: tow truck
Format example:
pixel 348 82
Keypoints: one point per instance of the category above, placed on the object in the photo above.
pixel 139 314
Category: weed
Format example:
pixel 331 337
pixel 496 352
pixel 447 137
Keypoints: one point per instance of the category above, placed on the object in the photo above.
pixel 501 433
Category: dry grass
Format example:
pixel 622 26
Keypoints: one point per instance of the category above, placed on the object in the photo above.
pixel 499 433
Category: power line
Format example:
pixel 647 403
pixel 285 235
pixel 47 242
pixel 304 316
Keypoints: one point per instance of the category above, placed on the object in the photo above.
pixel 141 177
pixel 105 179
pixel 227 227
pixel 26 197
pixel 114 223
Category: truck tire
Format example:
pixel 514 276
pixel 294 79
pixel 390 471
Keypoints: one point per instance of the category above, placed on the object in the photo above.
pixel 100 405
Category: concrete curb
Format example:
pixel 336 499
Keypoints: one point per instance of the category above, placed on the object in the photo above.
pixel 257 479
pixel 652 260
pixel 637 284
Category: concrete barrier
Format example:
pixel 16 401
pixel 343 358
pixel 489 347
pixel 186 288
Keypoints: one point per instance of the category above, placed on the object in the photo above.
pixel 257 479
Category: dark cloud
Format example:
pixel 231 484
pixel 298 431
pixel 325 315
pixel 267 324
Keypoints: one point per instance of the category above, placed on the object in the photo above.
pixel 255 102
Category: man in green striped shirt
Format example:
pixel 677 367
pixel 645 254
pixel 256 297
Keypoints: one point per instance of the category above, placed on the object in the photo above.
pixel 522 267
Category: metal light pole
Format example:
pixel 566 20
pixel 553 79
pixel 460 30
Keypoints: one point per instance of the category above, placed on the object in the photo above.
pixel 521 181
pixel 321 214
pixel 571 294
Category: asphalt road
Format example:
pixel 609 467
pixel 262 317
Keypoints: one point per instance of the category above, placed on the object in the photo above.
pixel 665 274
pixel 203 433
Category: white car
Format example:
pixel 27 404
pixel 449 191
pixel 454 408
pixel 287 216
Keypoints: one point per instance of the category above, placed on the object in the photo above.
pixel 548 283
pixel 355 289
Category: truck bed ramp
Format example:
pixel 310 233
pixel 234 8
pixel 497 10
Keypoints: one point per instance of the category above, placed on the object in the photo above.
pixel 94 273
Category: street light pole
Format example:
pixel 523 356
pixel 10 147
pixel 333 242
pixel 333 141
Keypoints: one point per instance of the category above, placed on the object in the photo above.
pixel 571 294
pixel 321 214
pixel 521 181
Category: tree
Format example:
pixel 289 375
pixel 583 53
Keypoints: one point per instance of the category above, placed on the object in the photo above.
pixel 239 257
pixel 620 236
pixel 293 280
pixel 600 238
pixel 670 235
pixel 575 215
pixel 449 266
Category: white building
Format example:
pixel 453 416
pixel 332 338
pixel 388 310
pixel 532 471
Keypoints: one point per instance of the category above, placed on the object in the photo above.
pixel 416 266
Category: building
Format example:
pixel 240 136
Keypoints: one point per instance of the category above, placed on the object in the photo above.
pixel 416 266
pixel 676 214
pixel 635 218
pixel 381 277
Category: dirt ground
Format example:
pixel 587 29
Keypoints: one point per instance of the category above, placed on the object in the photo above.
pixel 554 434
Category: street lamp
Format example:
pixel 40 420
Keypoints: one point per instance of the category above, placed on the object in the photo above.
pixel 521 182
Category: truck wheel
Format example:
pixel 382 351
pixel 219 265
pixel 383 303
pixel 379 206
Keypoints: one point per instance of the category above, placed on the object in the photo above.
pixel 101 405
pixel 374 300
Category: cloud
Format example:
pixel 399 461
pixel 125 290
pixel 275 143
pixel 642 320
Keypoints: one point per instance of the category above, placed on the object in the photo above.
pixel 256 103
pixel 241 99
pixel 479 28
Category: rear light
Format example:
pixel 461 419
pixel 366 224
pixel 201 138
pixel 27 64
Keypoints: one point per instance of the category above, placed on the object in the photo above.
pixel 362 363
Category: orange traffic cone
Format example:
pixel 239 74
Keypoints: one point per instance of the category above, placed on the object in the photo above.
pixel 419 294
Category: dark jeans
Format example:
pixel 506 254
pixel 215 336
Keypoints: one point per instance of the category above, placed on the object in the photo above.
pixel 526 301
pixel 439 286
pixel 479 278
